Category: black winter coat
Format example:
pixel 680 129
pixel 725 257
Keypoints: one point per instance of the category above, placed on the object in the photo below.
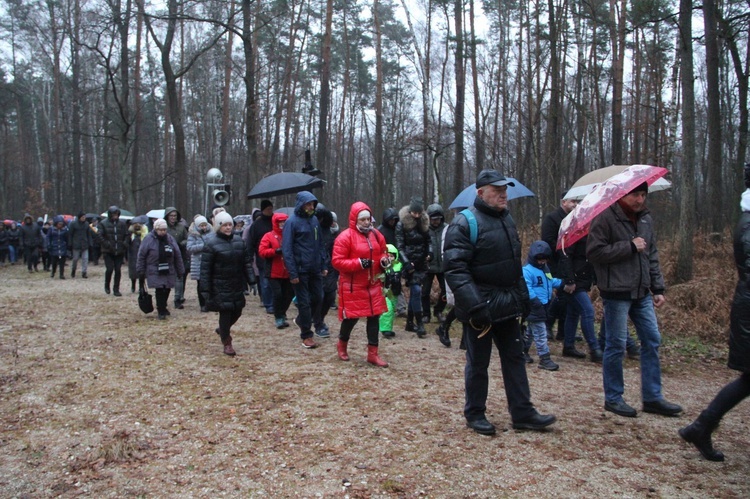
pixel 113 236
pixel 488 273
pixel 413 243
pixel 739 317
pixel 550 228
pixel 225 265
pixel 574 267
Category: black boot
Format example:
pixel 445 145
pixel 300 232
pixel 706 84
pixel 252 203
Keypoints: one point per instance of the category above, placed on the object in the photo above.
pixel 699 434
pixel 546 363
pixel 442 333
pixel 421 333
pixel 410 322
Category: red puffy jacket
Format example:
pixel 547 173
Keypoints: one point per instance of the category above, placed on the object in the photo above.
pixel 360 290
pixel 270 242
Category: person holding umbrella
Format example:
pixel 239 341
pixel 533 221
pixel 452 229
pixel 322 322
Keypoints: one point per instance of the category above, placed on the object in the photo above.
pixel 621 246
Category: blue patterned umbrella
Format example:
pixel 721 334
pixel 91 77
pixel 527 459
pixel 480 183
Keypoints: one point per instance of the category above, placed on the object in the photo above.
pixel 466 198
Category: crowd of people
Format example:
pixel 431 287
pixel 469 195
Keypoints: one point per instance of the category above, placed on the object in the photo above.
pixel 375 274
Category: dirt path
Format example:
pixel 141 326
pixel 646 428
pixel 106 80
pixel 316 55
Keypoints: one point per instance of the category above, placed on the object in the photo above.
pixel 99 400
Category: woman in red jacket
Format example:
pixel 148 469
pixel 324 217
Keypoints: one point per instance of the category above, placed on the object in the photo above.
pixel 360 254
pixel 275 270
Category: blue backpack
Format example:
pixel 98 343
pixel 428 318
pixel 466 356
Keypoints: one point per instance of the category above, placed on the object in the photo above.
pixel 472 225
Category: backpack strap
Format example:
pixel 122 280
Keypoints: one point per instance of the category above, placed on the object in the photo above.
pixel 472 225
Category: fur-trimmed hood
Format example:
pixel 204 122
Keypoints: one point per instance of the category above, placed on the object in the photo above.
pixel 409 223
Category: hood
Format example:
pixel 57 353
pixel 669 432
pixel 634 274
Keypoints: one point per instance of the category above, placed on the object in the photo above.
pixel 355 210
pixel 325 216
pixel 193 229
pixel 537 249
pixel 304 197
pixel 169 210
pixel 390 214
pixel 112 210
pixel 392 250
pixel 276 220
pixel 27 219
pixel 408 222
pixel 435 209
pixel 57 219
pixel 143 231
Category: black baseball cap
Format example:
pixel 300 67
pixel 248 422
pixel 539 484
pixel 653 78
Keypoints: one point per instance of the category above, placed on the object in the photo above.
pixel 492 177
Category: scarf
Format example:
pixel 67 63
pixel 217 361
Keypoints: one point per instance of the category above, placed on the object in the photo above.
pixel 165 254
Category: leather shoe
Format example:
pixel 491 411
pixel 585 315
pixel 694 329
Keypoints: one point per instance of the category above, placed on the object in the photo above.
pixel 596 355
pixel 535 422
pixel 573 352
pixel 481 426
pixel 662 407
pixel 620 408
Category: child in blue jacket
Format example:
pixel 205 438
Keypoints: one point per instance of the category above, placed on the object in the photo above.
pixel 540 282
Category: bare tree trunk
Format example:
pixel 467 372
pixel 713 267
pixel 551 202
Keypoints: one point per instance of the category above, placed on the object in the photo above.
pixel 325 88
pixel 713 96
pixel 458 167
pixel 251 108
pixel 138 118
pixel 684 266
pixel 225 101
pixel 618 21
pixel 378 152
pixel 78 178
pixel 478 129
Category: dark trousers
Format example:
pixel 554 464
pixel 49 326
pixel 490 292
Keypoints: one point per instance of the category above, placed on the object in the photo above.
pixel 46 260
pixel 506 336
pixel 309 292
pixel 319 313
pixel 557 312
pixel 427 289
pixel 162 297
pixel 58 261
pixel 201 300
pixel 113 263
pixel 31 257
pixel 282 296
pixel 227 318
pixel 728 397
pixel 373 325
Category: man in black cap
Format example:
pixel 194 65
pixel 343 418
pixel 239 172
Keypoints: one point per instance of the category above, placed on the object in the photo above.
pixel 483 268
pixel 258 229
pixel 622 248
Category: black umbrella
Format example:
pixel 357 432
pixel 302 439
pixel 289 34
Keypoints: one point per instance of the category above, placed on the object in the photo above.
pixel 91 216
pixel 140 219
pixel 284 183
pixel 287 210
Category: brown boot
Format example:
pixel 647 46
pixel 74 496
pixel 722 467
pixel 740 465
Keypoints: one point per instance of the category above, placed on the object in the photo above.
pixel 228 350
pixel 341 347
pixel 372 357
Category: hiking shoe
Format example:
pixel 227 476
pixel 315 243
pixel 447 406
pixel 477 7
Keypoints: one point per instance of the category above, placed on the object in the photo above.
pixel 536 422
pixel 280 324
pixel 388 334
pixel 443 336
pixel 481 426
pixel 621 409
pixel 546 363
pixel 323 332
pixel 410 327
pixel 309 343
pixel 573 352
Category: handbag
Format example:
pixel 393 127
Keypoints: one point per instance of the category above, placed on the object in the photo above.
pixel 145 301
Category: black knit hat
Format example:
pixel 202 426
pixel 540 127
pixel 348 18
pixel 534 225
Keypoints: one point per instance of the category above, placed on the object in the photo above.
pixel 265 204
pixel 641 188
pixel 416 205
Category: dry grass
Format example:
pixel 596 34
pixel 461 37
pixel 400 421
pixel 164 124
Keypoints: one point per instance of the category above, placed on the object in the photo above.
pixel 99 400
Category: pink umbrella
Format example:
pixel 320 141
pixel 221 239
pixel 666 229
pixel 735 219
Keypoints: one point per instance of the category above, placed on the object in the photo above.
pixel 576 224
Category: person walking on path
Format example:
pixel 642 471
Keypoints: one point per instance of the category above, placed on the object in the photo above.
pixel 360 256
pixel 435 266
pixel 329 233
pixel 138 232
pixel 112 234
pixel 415 250
pixel 198 232
pixel 306 260
pixel 225 266
pixel 392 290
pixel 260 227
pixel 270 251
pixel 57 245
pixel 621 246
pixel 80 240
pixel 160 261
pixel 483 268
pixel 179 232
pixel 31 241
pixel 699 431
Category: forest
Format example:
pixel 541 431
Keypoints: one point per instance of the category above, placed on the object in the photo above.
pixel 131 102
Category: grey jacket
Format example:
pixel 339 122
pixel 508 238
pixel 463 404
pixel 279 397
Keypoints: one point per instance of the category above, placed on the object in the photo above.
pixel 148 262
pixel 622 273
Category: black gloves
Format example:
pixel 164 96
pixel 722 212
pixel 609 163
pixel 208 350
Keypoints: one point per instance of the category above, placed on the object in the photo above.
pixel 278 251
pixel 410 267
pixel 480 319
pixel 365 262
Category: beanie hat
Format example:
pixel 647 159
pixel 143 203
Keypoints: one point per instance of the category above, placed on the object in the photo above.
pixel 265 204
pixel 199 219
pixel 223 218
pixel 416 205
pixel 160 223
pixel 641 188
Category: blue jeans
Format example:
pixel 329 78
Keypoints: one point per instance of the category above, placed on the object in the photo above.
pixel 415 297
pixel 539 333
pixel 12 253
pixel 642 314
pixel 266 292
pixel 630 344
pixel 579 306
